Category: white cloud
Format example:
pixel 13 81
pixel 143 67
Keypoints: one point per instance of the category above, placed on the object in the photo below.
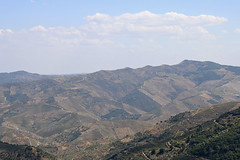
pixel 103 28
pixel 224 31
pixel 99 17
pixel 169 24
pixel 237 30
pixel 150 19
pixel 38 28
pixel 32 1
pixel 5 31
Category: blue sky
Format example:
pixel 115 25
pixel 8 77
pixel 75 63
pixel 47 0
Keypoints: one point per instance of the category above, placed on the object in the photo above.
pixel 79 36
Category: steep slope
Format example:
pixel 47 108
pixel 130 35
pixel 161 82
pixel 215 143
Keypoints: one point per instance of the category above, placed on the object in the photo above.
pixel 187 137
pixel 67 115
pixel 22 152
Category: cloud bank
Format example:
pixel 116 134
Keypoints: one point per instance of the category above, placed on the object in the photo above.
pixel 238 30
pixel 105 37
pixel 143 24
pixel 149 24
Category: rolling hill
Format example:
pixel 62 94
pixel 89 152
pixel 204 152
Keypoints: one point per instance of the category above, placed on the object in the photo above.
pixel 69 115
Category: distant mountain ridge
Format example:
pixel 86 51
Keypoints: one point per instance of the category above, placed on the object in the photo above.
pixel 21 76
pixel 68 114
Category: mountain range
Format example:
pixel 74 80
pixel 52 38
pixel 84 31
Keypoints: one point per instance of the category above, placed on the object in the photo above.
pixel 82 115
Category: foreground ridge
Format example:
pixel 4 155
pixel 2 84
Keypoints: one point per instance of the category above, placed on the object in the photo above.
pixel 218 138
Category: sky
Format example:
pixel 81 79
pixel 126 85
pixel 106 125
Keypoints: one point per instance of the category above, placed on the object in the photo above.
pixel 84 36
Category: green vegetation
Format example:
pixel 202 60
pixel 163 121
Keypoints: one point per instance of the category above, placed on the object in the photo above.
pixel 120 114
pixel 16 97
pixel 201 77
pixel 141 101
pixel 23 152
pixel 178 117
pixel 235 70
pixel 221 141
pixel 215 139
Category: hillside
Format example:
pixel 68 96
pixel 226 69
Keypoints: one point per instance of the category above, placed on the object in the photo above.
pixel 217 138
pixel 70 114
pixel 22 152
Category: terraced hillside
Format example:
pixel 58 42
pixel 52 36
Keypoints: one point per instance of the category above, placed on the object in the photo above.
pixel 69 115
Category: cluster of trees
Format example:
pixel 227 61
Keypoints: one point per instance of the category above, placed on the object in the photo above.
pixel 216 139
pixel 213 145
